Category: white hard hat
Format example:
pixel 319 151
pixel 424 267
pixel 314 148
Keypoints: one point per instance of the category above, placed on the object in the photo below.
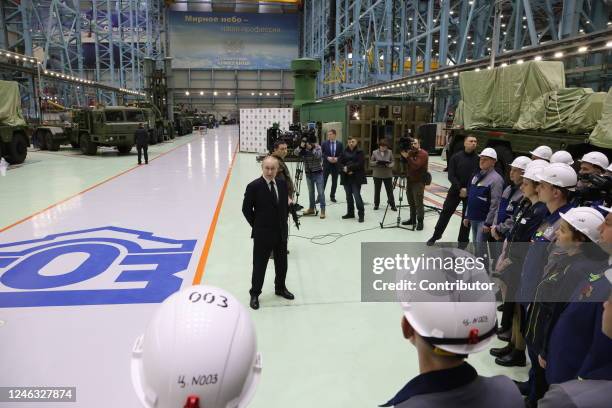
pixel 586 220
pixel 562 156
pixel 537 163
pixel 456 321
pixel 543 152
pixel 488 152
pixel 200 344
pixel 597 159
pixel 609 169
pixel 559 175
pixel 534 169
pixel 521 162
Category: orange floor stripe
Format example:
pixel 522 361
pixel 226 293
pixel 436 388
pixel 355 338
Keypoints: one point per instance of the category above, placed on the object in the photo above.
pixel 197 279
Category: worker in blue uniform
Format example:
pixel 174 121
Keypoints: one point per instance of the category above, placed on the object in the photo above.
pixel 556 181
pixel 569 263
pixel 571 355
pixel 531 212
pixel 508 207
pixel 592 388
pixel 484 194
pixel 445 333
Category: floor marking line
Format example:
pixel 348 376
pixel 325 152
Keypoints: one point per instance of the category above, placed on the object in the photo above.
pixel 197 279
pixel 29 217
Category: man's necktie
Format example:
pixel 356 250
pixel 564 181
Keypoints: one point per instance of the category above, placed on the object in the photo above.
pixel 273 192
pixel 333 149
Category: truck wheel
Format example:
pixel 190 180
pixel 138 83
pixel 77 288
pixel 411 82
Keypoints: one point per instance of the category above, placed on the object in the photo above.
pixel 52 145
pixel 17 149
pixel 74 145
pixel 87 146
pixel 152 137
pixel 171 132
pixel 42 140
pixel 124 149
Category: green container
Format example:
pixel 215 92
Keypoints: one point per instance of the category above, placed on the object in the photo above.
pixel 305 72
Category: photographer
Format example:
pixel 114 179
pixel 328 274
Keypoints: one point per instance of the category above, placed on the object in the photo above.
pixel 353 176
pixel 592 166
pixel 381 162
pixel 416 162
pixel 311 153
pixel 280 152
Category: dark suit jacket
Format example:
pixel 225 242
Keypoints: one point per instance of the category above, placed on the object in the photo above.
pixel 266 218
pixel 326 150
pixel 141 137
pixel 354 161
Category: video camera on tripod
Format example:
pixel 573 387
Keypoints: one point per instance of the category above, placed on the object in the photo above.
pixel 293 137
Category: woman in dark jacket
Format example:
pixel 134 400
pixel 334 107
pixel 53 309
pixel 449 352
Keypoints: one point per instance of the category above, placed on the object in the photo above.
pixel 352 163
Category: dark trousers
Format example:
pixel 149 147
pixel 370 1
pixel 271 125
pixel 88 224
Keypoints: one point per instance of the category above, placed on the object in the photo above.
pixel 328 169
pixel 416 192
pixel 262 248
pixel 353 197
pixel 537 379
pixel 448 209
pixel 143 149
pixel 507 315
pixel 388 187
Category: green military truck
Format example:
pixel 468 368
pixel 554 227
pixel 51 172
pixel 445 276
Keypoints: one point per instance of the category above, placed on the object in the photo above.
pixel 109 126
pixel 182 124
pixel 14 140
pixel 160 129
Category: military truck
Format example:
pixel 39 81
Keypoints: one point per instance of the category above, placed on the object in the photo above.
pixel 51 134
pixel 160 129
pixel 108 126
pixel 14 132
pixel 182 124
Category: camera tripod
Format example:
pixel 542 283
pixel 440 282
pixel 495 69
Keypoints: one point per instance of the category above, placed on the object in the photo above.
pixel 297 183
pixel 401 181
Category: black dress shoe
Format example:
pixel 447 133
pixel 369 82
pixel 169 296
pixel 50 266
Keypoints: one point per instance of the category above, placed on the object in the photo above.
pixel 347 216
pixel 408 222
pixel 361 218
pixel 375 207
pixel 333 200
pixel 501 351
pixel 419 226
pixel 431 241
pixel 516 358
pixel 504 335
pixel 393 208
pixel 254 302
pixel 284 293
pixel 500 308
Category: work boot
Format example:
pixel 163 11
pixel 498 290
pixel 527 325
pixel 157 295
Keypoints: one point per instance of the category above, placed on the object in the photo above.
pixel 419 225
pixel 516 358
pixel 501 351
pixel 361 218
pixel 347 216
pixel 322 215
pixel 309 211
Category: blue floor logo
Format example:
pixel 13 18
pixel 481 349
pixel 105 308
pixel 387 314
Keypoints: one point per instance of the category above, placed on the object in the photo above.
pixel 98 266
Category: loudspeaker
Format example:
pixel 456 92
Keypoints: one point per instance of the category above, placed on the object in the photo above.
pixel 427 134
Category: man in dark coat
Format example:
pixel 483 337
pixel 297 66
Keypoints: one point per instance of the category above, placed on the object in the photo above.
pixel 265 207
pixel 141 137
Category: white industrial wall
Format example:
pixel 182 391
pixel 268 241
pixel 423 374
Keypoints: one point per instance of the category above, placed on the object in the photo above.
pixel 254 124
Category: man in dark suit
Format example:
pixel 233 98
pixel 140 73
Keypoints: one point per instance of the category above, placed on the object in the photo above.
pixel 141 138
pixel 332 150
pixel 265 207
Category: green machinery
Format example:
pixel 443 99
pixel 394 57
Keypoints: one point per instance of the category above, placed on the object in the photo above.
pixel 14 140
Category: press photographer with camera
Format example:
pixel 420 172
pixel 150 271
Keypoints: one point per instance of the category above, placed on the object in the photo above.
pixel 381 162
pixel 310 151
pixel 593 186
pixel 352 163
pixel 280 152
pixel 416 161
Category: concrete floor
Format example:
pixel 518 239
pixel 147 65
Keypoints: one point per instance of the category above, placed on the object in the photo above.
pixel 324 349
